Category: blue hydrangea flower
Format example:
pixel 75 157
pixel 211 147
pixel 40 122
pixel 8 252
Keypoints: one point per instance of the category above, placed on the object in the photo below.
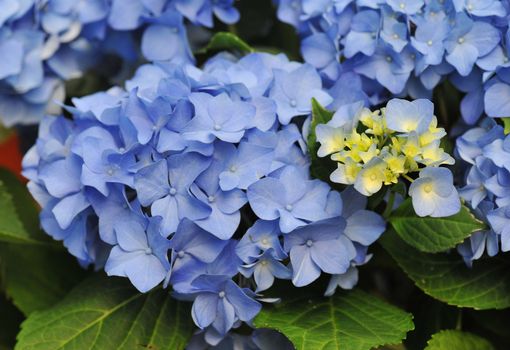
pixel 47 44
pixel 265 269
pixel 293 92
pixel 316 247
pixel 220 303
pixel 191 177
pixel 140 255
pixel 165 186
pixel 291 198
pixel 407 47
pixel 486 188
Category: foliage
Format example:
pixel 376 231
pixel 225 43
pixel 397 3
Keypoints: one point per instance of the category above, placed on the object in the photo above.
pixel 457 340
pixel 106 313
pixel 349 320
pixel 433 235
pixel 447 278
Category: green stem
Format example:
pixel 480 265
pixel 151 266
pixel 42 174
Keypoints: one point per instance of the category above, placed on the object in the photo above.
pixel 407 177
pixel 389 205
pixel 459 321
pixel 381 143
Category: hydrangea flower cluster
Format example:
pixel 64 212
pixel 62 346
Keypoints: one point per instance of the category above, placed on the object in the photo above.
pixel 192 177
pixel 407 47
pixel 486 152
pixel 45 43
pixel 378 148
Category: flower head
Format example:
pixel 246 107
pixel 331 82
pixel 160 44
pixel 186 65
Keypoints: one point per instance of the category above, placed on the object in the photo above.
pixel 486 188
pixel 373 149
pixel 408 47
pixel 189 177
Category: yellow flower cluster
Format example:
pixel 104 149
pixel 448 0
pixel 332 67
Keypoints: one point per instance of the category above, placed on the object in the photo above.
pixel 375 148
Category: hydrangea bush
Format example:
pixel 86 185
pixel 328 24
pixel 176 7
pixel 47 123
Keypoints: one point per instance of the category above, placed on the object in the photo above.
pixel 409 47
pixel 47 42
pixel 197 184
pixel 190 177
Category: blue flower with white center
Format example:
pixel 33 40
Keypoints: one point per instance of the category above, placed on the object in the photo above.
pixel 408 7
pixel 218 117
pixel 293 92
pixel 140 255
pixel 220 303
pixel 433 193
pixel 363 35
pixel 165 186
pixel 394 33
pixel 259 238
pixel 265 269
pixel 317 247
pixel 240 167
pixel 291 198
pixel 480 8
pixel 429 38
pixel 388 68
pixel 468 41
pixel 191 245
pixel 147 119
pixel 479 176
pixel 225 205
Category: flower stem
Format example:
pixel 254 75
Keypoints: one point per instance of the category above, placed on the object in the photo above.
pixel 389 205
pixel 408 177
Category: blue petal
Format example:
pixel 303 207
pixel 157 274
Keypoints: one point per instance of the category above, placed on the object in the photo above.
pixel 364 227
pixel 204 309
pixel 131 236
pixel 497 99
pixel 245 307
pixel 305 271
pixel 151 182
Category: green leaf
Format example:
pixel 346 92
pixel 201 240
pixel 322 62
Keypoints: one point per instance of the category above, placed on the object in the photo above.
pixel 433 235
pixel 108 313
pixel 19 220
pixel 320 115
pixel 347 321
pixel 321 168
pixel 446 277
pixel 37 265
pixel 457 340
pixel 36 277
pixel 506 125
pixel 226 41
